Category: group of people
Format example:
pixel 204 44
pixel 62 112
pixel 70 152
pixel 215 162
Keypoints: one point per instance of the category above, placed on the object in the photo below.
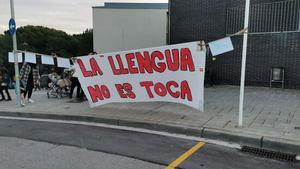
pixel 64 83
pixel 29 79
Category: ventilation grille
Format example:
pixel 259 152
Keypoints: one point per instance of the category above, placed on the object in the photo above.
pixel 269 154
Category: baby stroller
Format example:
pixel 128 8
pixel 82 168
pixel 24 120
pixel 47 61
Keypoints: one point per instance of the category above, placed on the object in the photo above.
pixel 59 86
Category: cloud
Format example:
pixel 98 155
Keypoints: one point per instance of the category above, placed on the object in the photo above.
pixel 72 16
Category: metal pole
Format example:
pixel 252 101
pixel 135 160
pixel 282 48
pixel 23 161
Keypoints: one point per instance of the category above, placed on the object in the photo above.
pixel 17 76
pixel 169 23
pixel 246 24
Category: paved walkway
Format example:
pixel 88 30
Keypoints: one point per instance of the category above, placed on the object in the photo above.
pixel 271 114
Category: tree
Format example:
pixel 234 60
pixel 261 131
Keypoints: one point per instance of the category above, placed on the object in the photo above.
pixel 40 39
pixel 85 42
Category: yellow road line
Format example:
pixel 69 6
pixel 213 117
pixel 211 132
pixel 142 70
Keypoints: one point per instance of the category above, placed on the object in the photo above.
pixel 184 156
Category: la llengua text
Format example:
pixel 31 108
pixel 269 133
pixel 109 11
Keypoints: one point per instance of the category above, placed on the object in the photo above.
pixel 143 63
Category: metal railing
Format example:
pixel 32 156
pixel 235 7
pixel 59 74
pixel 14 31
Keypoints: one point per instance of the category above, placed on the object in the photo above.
pixel 283 16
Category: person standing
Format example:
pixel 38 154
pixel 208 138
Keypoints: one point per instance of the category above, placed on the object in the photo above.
pixel 4 82
pixel 75 83
pixel 1 88
pixel 28 76
pixel 36 79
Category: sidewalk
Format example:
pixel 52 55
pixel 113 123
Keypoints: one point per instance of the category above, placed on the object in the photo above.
pixel 271 116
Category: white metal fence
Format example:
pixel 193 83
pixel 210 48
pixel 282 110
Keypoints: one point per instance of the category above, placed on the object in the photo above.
pixel 283 16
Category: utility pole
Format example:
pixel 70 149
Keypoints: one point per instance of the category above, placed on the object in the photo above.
pixel 245 41
pixel 15 52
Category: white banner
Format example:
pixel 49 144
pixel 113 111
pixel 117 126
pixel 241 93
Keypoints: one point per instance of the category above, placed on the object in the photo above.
pixel 170 73
pixel 30 57
pixel 47 60
pixel 11 57
pixel 63 62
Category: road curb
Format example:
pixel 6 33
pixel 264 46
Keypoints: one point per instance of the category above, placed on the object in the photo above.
pixel 239 138
pixel 281 145
pixel 275 144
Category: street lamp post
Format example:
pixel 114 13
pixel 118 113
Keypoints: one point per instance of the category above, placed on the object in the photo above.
pixel 15 51
pixel 245 41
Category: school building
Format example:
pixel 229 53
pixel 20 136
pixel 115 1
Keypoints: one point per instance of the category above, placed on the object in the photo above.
pixel 274 37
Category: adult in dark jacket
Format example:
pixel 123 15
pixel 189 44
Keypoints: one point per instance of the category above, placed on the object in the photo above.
pixel 4 82
pixel 75 83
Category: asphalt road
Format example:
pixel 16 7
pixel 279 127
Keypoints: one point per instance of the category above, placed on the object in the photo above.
pixel 18 153
pixel 133 148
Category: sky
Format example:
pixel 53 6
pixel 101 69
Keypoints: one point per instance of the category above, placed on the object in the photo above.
pixel 71 16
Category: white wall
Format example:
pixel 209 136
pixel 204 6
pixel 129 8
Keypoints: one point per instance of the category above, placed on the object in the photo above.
pixel 125 29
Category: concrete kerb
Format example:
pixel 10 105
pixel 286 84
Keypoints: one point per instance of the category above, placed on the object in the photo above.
pixel 119 122
pixel 265 142
pixel 239 138
pixel 282 145
pixel 208 133
pixel 60 117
